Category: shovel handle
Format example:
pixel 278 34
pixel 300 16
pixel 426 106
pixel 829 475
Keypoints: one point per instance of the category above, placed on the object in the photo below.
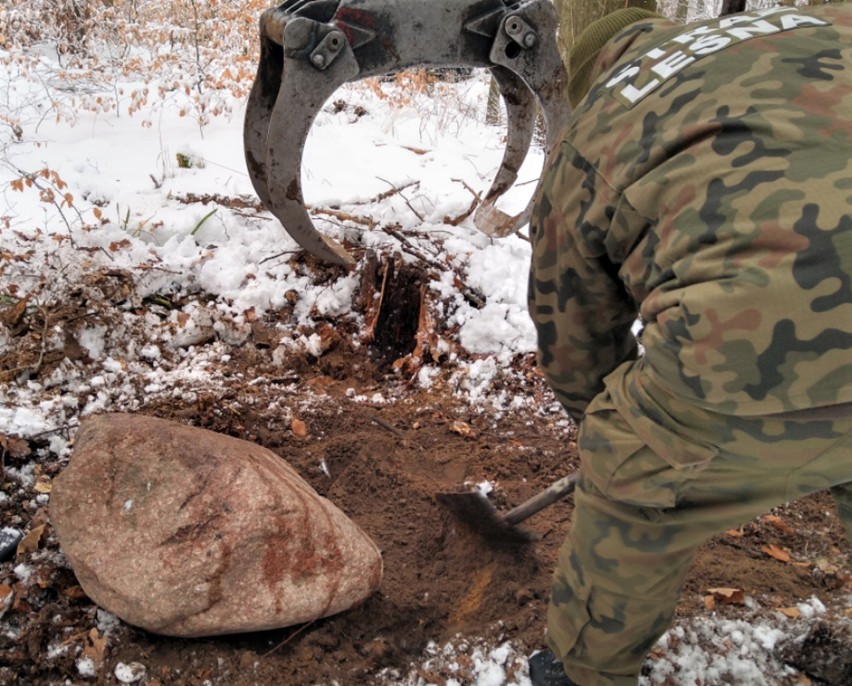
pixel 556 491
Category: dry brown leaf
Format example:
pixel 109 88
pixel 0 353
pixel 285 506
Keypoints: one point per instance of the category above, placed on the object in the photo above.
pixel 115 246
pixel 320 383
pixel 13 315
pixel 827 566
pixel 728 596
pixel 41 516
pixel 16 447
pixel 776 552
pixel 736 533
pixel 791 612
pixel 7 595
pixel 31 541
pixel 95 647
pixel 778 523
pixel 298 427
pixel 709 602
pixel 74 592
pixel 461 428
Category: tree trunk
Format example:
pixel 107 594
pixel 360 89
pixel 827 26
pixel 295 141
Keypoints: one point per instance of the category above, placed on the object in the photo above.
pixel 576 15
pixel 732 7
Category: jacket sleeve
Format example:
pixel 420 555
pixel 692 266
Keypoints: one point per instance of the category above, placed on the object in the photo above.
pixel 582 311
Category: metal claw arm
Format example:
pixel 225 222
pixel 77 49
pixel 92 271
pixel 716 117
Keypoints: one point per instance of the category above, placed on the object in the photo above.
pixel 311 47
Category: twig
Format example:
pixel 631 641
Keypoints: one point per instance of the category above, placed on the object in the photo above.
pixel 473 205
pixel 345 216
pixel 387 194
pixel 411 249
pixel 416 213
pixel 48 195
pixel 289 638
pixel 387 426
pixel 277 255
pixel 64 427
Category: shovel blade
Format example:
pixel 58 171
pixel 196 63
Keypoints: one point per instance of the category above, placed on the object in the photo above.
pixel 475 511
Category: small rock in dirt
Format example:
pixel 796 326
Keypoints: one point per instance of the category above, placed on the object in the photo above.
pixel 186 532
pixel 86 667
pixel 130 673
pixel 9 539
pixel 524 595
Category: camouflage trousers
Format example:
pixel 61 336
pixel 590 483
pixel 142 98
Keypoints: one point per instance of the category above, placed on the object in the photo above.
pixel 640 513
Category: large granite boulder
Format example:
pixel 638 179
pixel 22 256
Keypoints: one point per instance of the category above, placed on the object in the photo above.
pixel 186 532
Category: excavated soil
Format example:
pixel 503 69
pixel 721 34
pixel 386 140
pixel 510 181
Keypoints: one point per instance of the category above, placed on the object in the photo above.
pixel 380 448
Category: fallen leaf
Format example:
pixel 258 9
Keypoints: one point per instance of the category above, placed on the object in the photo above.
pixel 5 592
pixel 736 533
pixel 727 596
pixel 31 541
pixel 776 552
pixel 778 523
pixel 461 428
pixel 827 566
pixel 20 604
pixel 298 427
pixel 791 612
pixel 7 595
pixel 13 315
pixel 41 516
pixel 74 592
pixel 709 602
pixel 43 487
pixel 16 447
pixel 95 647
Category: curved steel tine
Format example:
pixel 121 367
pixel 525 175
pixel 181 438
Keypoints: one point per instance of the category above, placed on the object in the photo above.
pixel 520 123
pixel 303 92
pixel 542 71
pixel 520 115
pixel 261 101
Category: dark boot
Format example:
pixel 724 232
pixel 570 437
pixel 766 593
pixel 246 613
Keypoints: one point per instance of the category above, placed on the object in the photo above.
pixel 546 670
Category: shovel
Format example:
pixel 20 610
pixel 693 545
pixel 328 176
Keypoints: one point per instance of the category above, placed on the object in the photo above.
pixel 475 510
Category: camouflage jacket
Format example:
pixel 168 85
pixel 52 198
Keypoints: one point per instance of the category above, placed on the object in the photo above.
pixel 705 183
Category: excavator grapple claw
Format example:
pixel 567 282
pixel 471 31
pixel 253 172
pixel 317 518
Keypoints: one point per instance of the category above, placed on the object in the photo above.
pixel 309 48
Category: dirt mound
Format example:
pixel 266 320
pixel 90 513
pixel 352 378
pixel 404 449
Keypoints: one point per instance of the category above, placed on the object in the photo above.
pixel 380 448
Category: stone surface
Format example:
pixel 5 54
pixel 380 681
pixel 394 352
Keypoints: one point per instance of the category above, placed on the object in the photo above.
pixel 186 532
